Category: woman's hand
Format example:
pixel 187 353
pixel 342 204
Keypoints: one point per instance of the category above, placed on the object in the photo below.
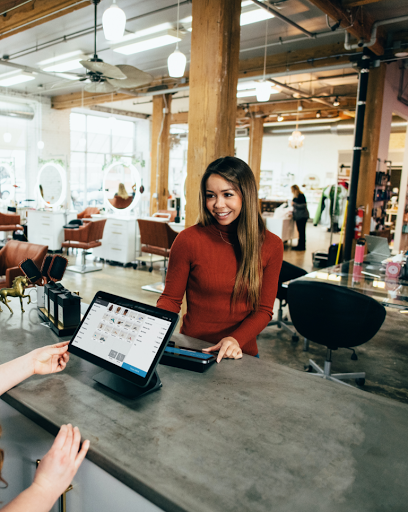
pixel 49 359
pixel 228 348
pixel 59 466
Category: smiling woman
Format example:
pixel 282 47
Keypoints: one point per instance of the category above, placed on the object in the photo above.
pixel 228 264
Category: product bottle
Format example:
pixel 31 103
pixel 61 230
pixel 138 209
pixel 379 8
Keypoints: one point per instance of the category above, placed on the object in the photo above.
pixel 359 254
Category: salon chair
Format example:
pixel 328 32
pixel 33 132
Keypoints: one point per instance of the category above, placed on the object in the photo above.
pixel 10 222
pixel 85 237
pixel 169 214
pixel 336 318
pixel 156 238
pixel 287 273
pixel 86 214
pixel 120 203
pixel 12 254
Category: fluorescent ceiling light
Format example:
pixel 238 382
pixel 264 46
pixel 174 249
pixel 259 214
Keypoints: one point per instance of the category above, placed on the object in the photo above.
pixel 148 43
pixel 65 66
pixel 68 77
pixel 9 79
pixel 254 16
pixel 244 94
pixel 64 57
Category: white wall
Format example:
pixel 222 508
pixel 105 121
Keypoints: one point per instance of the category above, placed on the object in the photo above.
pixel 319 155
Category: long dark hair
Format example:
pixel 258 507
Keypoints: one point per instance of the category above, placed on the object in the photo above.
pixel 251 227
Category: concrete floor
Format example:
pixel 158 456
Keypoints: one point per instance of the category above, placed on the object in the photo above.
pixel 384 358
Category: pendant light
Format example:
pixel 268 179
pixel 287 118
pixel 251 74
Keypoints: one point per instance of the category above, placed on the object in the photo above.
pixel 113 22
pixel 263 88
pixel 176 62
pixel 296 139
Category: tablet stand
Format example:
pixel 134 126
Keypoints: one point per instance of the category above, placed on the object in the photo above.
pixel 126 388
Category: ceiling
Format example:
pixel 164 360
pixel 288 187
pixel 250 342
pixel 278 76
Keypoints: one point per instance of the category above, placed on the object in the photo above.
pixel 73 32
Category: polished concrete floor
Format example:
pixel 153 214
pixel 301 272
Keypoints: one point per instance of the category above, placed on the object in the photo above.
pixel 384 358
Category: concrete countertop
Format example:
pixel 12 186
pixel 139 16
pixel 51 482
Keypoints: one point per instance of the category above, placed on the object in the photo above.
pixel 245 435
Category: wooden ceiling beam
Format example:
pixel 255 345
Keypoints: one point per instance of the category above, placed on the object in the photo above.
pixel 357 3
pixel 361 21
pixel 305 59
pixel 18 16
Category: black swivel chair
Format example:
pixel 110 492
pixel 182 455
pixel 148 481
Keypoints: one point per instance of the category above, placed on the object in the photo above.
pixel 336 318
pixel 287 273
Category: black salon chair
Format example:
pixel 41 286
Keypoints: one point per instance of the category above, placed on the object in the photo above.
pixel 287 273
pixel 334 317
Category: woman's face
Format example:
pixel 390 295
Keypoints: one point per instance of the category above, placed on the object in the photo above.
pixel 222 200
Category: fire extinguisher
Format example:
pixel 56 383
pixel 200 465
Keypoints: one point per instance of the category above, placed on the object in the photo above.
pixel 358 229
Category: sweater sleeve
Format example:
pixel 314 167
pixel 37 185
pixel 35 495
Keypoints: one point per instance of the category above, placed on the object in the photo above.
pixel 177 274
pixel 256 322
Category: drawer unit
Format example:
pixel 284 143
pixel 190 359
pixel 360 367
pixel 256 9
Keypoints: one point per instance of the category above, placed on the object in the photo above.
pixel 119 239
pixel 46 228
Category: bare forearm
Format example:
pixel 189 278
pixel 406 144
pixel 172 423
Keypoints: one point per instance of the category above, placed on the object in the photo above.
pixel 14 372
pixel 32 499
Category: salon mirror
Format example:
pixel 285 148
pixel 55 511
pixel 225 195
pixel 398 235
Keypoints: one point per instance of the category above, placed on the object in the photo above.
pixel 51 184
pixel 6 185
pixel 121 186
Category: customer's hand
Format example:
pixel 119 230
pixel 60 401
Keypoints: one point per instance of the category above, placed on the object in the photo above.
pixel 59 466
pixel 49 359
pixel 228 348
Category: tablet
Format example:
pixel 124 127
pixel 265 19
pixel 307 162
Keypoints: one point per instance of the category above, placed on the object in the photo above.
pixel 124 337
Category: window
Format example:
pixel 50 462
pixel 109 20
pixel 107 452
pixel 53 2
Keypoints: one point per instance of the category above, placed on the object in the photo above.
pixel 95 140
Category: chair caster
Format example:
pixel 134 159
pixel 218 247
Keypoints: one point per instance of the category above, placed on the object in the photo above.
pixel 143 263
pixel 135 266
pixel 354 357
pixel 295 338
pixel 150 269
pixel 308 368
pixel 360 382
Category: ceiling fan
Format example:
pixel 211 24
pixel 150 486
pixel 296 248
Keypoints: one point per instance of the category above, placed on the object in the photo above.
pixel 107 78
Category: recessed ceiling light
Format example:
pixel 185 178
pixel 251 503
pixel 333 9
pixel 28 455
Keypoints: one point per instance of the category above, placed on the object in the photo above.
pixel 9 79
pixel 148 42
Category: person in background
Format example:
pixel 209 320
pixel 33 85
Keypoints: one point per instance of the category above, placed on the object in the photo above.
pixel 59 466
pixel 228 264
pixel 300 216
pixel 122 192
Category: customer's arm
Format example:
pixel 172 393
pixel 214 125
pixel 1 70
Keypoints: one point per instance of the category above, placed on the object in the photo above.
pixel 54 473
pixel 177 274
pixel 44 360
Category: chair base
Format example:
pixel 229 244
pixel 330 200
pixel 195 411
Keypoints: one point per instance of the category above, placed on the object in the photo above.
pixel 335 377
pixel 83 269
pixel 155 288
pixel 284 324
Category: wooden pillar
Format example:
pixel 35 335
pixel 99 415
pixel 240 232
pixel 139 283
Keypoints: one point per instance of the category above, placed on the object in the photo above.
pixel 255 147
pixel 213 90
pixel 371 140
pixel 159 177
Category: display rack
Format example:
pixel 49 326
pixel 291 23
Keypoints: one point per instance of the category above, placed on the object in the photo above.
pixel 382 194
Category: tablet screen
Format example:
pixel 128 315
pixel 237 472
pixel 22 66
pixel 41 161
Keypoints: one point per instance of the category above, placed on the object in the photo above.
pixel 124 333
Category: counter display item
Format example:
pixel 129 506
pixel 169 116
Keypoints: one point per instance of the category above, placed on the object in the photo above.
pixel 127 339
pixel 52 302
pixel 68 312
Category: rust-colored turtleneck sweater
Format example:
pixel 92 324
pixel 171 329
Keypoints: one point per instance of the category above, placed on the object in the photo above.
pixel 203 263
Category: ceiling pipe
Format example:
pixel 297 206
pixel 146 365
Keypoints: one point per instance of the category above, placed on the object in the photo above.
pixel 277 14
pixel 301 93
pixel 373 37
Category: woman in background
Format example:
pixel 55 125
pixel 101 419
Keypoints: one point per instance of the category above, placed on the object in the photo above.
pixel 300 216
pixel 228 264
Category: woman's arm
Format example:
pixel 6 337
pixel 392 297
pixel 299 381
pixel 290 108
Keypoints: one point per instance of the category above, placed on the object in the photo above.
pixel 177 274
pixel 54 473
pixel 49 359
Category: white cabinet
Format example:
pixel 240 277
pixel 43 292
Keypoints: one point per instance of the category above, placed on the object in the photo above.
pixel 119 240
pixel 47 228
pixel 23 442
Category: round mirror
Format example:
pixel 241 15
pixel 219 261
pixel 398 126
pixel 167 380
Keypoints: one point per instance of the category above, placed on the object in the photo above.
pixel 121 185
pixel 6 185
pixel 51 184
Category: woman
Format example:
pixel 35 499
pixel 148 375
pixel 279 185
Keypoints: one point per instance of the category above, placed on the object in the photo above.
pixel 121 199
pixel 228 264
pixel 59 466
pixel 300 216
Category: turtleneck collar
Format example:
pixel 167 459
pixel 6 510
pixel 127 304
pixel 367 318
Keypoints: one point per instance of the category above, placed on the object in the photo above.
pixel 230 230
